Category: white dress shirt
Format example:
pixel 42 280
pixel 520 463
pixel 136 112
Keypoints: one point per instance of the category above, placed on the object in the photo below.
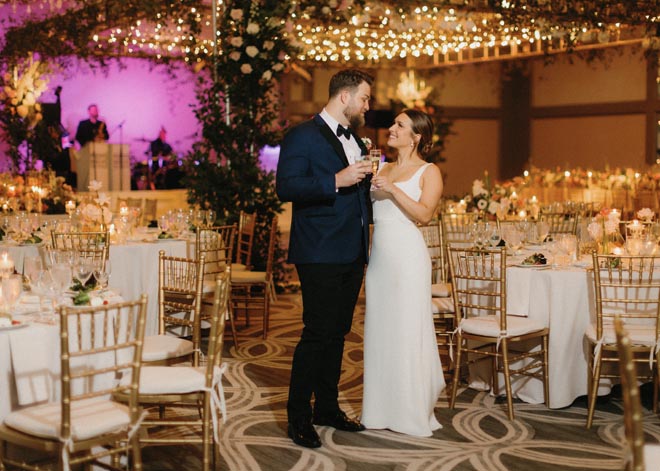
pixel 351 147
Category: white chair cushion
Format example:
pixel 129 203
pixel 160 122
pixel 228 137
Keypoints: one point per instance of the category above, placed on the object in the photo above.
pixel 248 277
pixel 652 456
pixel 489 326
pixel 89 418
pixel 441 290
pixel 238 267
pixel 171 379
pixel 442 305
pixel 639 334
pixel 163 347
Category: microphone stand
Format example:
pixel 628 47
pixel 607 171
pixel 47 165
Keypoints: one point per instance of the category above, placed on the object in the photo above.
pixel 120 126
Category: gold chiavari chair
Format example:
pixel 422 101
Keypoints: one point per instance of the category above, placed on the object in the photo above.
pixel 442 302
pixel 97 345
pixel 247 223
pixel 90 245
pixel 479 283
pixel 195 389
pixel 636 453
pixel 216 244
pixel 561 222
pixel 251 290
pixel 628 287
pixel 180 282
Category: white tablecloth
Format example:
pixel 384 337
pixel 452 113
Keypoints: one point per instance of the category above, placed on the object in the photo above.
pixel 135 271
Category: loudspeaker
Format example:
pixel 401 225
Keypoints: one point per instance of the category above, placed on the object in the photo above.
pixel 379 118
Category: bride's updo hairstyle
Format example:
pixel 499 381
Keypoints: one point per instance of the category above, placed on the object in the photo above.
pixel 422 124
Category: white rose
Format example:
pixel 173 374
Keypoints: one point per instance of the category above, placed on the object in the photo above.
pixel 595 230
pixel 236 41
pixel 267 75
pixel 251 51
pixel 92 213
pixel 252 28
pixel 246 69
pixel 236 14
pixel 235 55
pixel 493 207
pixel 94 185
pixel 478 188
pixel 268 45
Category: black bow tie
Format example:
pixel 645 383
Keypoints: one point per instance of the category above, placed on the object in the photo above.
pixel 342 131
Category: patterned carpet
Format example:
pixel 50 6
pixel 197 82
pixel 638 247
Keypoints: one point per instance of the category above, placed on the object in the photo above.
pixel 475 436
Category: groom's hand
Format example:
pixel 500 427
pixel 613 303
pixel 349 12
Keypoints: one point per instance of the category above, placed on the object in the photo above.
pixel 352 174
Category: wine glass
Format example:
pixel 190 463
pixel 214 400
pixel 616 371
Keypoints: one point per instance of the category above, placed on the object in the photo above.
pixel 514 239
pixel 60 274
pixel 82 270
pixel 210 217
pixel 542 231
pixel 102 273
pixel 493 234
pixel 12 287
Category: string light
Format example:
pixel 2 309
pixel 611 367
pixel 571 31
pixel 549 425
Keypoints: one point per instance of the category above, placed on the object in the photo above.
pixel 383 31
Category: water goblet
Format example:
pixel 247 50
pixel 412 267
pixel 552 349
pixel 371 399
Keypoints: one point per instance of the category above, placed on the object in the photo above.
pixel 542 231
pixel 493 234
pixel 514 239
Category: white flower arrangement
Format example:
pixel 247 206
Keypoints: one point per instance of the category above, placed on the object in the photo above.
pixel 607 222
pixel 646 214
pixel 96 211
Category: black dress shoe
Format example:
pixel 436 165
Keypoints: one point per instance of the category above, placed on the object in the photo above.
pixel 302 433
pixel 340 421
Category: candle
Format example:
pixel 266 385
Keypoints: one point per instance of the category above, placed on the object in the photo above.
pixel 522 214
pixel 11 190
pixel 123 211
pixel 70 206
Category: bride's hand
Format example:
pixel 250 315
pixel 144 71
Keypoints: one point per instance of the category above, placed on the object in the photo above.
pixel 383 183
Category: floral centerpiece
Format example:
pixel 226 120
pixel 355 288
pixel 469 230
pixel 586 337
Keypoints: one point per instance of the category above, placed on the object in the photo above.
pixel 20 113
pixel 95 212
pixel 497 201
pixel 604 229
pixel 646 215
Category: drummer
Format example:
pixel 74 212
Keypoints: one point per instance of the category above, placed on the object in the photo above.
pixel 160 153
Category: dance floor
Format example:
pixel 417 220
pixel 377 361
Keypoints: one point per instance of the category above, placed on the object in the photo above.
pixel 475 436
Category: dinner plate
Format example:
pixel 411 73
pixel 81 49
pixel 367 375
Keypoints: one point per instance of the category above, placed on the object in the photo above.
pixel 538 267
pixel 14 326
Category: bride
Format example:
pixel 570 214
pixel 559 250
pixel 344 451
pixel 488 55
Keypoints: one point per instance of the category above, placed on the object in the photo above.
pixel 402 372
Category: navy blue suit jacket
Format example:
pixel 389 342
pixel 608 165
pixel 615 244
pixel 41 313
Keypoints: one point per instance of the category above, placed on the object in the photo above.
pixel 327 226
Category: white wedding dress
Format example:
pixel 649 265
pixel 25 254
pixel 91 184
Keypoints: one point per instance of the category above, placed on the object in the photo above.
pixel 402 372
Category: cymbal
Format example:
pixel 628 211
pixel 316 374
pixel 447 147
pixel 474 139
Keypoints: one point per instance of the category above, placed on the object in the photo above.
pixel 142 139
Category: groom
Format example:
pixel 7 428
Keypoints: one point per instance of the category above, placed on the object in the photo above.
pixel 319 171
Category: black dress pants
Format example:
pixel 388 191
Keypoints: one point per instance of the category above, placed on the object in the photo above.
pixel 329 293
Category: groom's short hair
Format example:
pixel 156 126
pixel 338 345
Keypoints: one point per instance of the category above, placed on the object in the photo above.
pixel 349 78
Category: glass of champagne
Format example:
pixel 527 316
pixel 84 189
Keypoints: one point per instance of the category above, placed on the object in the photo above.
pixel 374 158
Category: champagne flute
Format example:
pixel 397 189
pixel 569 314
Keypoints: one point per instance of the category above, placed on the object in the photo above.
pixel 374 158
pixel 82 270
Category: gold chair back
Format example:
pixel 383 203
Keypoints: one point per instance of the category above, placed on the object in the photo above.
pixel 180 288
pixel 456 226
pixel 561 222
pixel 216 244
pixel 92 245
pixel 627 287
pixel 247 224
pixel 632 404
